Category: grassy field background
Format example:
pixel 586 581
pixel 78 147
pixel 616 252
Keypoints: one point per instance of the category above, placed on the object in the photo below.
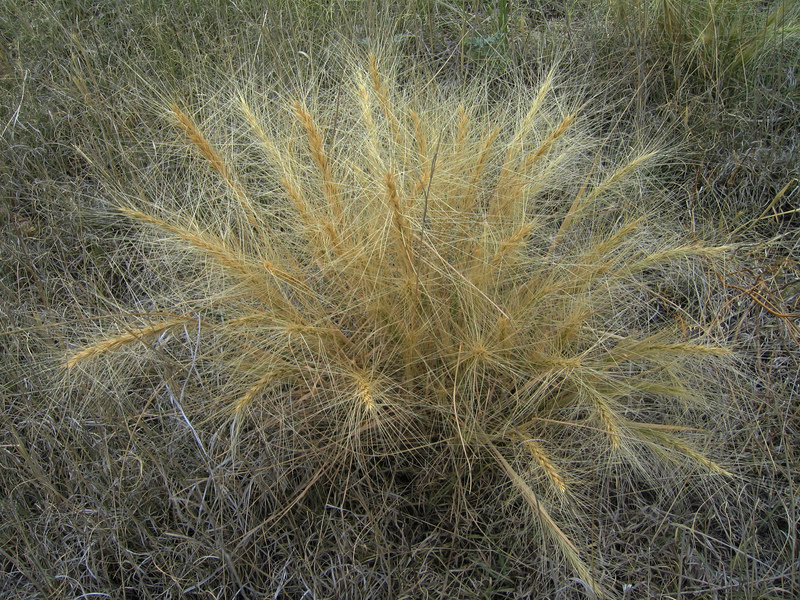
pixel 109 490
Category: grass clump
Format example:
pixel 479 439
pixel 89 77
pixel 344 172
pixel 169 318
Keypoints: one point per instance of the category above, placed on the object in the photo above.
pixel 712 41
pixel 356 276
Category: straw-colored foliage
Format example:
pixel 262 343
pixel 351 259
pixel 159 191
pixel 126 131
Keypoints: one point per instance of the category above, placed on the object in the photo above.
pixel 382 269
pixel 717 38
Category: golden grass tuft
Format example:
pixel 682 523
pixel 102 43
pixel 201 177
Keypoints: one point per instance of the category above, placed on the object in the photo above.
pixel 443 278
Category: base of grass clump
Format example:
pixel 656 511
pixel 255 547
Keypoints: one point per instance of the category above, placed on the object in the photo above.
pixel 376 275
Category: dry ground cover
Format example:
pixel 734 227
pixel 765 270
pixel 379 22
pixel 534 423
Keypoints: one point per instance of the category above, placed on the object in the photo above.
pixel 354 300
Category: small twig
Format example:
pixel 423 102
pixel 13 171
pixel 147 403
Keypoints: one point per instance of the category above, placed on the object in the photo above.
pixel 455 411
pixel 15 117
pixel 178 399
pixel 425 207
pixel 336 115
pixel 428 188
pixel 763 302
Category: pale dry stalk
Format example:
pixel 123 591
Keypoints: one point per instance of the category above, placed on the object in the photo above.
pixel 224 253
pixel 549 140
pixel 321 159
pixel 549 526
pixel 383 100
pixel 402 231
pixel 134 335
pixel 541 458
pixel 215 161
